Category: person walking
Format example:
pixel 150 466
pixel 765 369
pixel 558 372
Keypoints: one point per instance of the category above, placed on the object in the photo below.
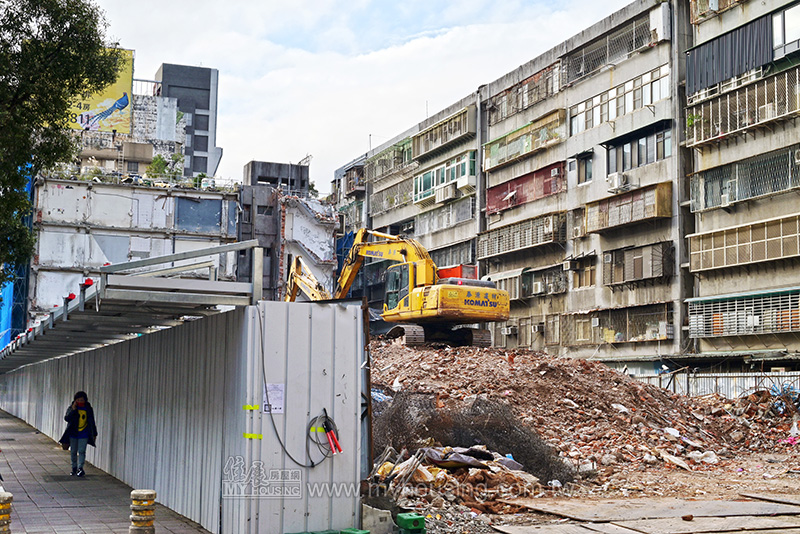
pixel 81 431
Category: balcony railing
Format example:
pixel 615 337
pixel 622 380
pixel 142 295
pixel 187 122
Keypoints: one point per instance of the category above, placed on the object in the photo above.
pixel 533 137
pixel 770 240
pixel 522 235
pixel 701 9
pixel 457 127
pixel 744 109
pixel 764 312
pixel 635 324
pixel 651 202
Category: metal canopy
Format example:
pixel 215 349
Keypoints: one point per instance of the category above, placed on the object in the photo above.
pixel 124 306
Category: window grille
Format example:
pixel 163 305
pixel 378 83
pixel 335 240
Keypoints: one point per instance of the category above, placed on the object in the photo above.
pixel 649 262
pixel 701 9
pixel 755 177
pixel 353 214
pixel 533 137
pixel 392 197
pixel 448 215
pixel 635 206
pixel 526 93
pixel 522 235
pixel 624 325
pixel 742 109
pixel 757 314
pixel 460 254
pixel 548 181
pixel 741 245
pixel 552 325
pixel 610 48
pixel 444 132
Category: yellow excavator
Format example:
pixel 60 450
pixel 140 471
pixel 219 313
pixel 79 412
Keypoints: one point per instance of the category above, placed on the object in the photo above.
pixel 430 308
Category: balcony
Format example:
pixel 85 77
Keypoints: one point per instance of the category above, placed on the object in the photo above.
pixel 701 9
pixel 774 311
pixel 647 203
pixel 744 109
pixel 538 135
pixel 635 324
pixel 633 266
pixel 523 235
pixel 354 181
pixel 443 134
pixel 769 240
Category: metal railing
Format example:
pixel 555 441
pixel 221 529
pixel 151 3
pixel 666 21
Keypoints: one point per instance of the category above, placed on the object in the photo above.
pixel 729 385
pixel 526 234
pixel 775 313
pixel 701 9
pixel 742 109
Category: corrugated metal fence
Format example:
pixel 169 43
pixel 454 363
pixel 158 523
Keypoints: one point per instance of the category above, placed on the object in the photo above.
pixel 731 385
pixel 169 408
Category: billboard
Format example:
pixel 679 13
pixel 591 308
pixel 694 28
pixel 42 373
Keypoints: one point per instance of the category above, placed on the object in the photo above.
pixel 110 109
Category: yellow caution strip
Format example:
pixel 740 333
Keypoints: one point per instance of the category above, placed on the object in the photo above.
pixel 253 436
pixel 250 407
pixel 317 429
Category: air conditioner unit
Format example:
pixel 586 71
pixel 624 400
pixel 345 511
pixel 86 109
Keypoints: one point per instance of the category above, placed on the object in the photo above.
pixel 725 200
pixel 616 181
pixel 537 328
pixel 577 231
pixel 595 322
pixel 548 225
pixel 555 172
pixel 607 257
pixel 797 157
pixel 538 288
pixel 509 330
pixel 570 265
pixel 445 192
pixel 713 5
pixel 466 184
pixel 767 111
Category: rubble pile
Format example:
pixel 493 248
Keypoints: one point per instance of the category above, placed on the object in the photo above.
pixel 596 417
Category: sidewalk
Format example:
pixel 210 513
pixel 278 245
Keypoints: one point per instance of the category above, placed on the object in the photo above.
pixel 48 500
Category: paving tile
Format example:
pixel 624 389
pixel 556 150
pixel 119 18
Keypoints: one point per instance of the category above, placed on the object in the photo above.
pixel 47 500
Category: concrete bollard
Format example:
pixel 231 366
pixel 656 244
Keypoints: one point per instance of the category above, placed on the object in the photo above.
pixel 143 504
pixel 5 511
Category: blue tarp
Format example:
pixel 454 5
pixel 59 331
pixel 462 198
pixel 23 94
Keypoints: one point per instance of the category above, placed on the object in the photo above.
pixel 7 296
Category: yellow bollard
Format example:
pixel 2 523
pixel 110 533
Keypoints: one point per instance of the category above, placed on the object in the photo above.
pixel 5 511
pixel 143 504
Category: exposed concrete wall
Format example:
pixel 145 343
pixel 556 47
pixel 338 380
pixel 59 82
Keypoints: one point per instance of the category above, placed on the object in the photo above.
pixel 81 226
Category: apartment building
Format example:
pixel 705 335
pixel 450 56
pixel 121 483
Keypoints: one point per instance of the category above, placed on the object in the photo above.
pixel 617 186
pixel 743 99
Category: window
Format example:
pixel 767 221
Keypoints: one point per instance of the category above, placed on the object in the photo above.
pixel 785 30
pixel 634 94
pixel 264 210
pixel 584 275
pixel 201 122
pixel 640 151
pixel 200 164
pixel 133 166
pixel 201 143
pixel 584 170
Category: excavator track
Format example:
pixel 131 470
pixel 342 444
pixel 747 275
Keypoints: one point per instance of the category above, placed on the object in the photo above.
pixel 413 335
pixel 481 337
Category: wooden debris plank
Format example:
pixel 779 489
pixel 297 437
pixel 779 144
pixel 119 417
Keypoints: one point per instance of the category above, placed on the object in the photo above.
pixel 546 529
pixel 710 525
pixel 623 510
pixel 783 499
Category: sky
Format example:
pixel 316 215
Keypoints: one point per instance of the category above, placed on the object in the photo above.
pixel 328 78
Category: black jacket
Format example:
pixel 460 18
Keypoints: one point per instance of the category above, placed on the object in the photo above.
pixel 71 418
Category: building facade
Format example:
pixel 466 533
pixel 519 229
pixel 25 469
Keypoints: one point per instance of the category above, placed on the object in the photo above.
pixel 744 141
pixel 195 90
pixel 565 181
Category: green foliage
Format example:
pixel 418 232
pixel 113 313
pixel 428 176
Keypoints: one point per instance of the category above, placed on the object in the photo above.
pixel 50 52
pixel 312 190
pixel 161 166
pixel 691 120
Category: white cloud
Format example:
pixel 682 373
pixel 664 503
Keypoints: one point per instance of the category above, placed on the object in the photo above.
pixel 318 78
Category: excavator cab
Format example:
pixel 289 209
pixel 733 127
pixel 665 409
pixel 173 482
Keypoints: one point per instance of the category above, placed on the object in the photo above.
pixel 397 285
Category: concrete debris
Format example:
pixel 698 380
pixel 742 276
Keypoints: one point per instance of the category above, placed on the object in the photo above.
pixel 612 428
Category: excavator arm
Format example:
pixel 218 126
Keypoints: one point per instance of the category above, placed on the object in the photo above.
pixel 302 279
pixel 387 247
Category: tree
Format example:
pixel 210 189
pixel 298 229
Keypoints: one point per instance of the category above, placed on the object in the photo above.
pixel 50 52
pixel 162 167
